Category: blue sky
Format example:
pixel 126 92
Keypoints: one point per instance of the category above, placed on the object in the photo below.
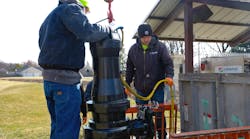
pixel 20 22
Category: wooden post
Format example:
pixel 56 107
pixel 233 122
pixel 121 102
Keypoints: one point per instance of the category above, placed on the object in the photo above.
pixel 188 29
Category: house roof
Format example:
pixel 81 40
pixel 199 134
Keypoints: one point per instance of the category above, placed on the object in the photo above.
pixel 230 22
pixel 30 69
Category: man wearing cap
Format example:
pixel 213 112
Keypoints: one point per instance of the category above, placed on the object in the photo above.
pixel 149 62
pixel 62 54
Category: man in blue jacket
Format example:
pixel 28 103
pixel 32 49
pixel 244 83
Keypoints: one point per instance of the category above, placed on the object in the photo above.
pixel 62 53
pixel 149 62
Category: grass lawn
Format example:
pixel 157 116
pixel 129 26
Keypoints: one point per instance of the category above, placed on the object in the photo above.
pixel 23 111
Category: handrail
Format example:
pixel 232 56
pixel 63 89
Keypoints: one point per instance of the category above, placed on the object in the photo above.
pixel 162 108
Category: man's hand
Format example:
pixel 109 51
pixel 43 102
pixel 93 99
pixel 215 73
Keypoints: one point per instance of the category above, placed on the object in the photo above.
pixel 169 81
pixel 114 28
pixel 84 120
pixel 129 94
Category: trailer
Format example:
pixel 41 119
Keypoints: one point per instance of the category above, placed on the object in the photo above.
pixel 227 63
pixel 214 105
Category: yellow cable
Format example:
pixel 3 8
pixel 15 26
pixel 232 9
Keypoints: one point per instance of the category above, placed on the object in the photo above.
pixel 172 121
pixel 171 124
pixel 139 96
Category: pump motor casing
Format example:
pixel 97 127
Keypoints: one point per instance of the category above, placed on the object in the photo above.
pixel 109 103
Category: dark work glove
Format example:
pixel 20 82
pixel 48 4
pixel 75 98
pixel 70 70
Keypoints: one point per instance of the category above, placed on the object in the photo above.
pixel 114 31
pixel 110 33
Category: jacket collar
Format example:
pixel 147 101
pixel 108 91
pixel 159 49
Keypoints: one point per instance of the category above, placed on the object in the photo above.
pixel 71 1
pixel 151 44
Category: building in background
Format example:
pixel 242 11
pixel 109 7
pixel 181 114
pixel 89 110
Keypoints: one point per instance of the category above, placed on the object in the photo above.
pixel 31 72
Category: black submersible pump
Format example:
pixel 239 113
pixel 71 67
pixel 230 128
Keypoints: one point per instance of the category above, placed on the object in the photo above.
pixel 109 103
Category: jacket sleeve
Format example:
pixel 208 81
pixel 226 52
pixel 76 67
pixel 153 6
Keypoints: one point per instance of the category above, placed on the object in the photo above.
pixel 167 61
pixel 77 22
pixel 129 69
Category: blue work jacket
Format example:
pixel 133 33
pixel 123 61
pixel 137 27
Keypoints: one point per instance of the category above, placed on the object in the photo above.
pixel 62 36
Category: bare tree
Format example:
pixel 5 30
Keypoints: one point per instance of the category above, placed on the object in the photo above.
pixel 241 48
pixel 175 47
pixel 222 47
pixel 123 59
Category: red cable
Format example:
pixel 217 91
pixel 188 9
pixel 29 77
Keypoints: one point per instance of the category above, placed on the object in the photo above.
pixel 110 14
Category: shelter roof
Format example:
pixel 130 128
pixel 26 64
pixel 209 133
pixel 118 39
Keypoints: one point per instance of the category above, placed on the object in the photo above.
pixel 229 23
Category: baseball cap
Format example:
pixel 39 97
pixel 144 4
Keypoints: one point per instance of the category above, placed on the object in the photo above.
pixel 144 30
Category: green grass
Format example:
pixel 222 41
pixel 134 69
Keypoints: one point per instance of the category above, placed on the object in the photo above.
pixel 23 111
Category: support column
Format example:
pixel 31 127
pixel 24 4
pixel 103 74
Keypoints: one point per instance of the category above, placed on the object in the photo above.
pixel 188 29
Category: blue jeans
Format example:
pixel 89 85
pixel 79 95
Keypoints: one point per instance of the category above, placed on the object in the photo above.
pixel 159 97
pixel 63 102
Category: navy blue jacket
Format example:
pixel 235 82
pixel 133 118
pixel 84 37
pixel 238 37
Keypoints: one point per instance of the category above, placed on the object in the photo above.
pixel 62 36
pixel 147 68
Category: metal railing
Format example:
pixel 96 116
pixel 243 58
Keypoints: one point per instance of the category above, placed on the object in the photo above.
pixel 167 113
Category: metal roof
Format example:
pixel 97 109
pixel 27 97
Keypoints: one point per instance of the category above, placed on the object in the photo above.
pixel 230 22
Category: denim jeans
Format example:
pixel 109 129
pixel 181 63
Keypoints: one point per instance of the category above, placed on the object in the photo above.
pixel 159 97
pixel 63 102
